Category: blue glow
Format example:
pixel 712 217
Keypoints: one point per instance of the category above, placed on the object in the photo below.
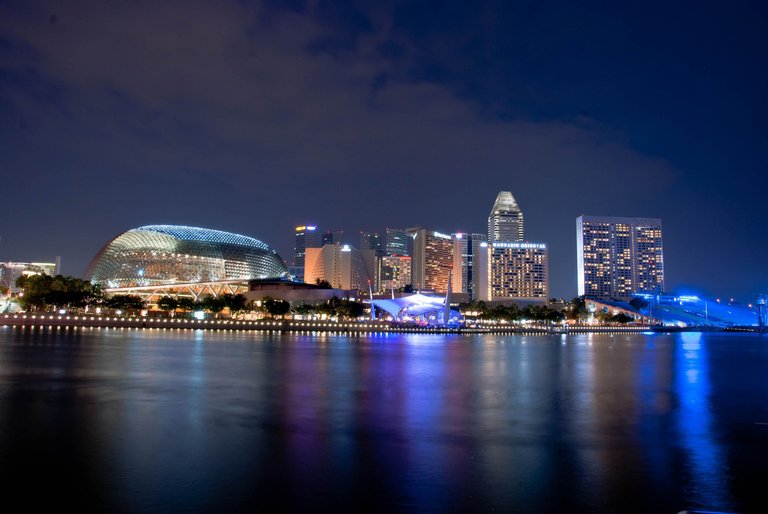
pixel 695 421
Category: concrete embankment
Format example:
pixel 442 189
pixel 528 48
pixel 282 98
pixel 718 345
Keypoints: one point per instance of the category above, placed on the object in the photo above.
pixel 87 321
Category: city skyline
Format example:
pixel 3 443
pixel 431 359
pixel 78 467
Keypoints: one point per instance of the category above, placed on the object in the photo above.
pixel 257 117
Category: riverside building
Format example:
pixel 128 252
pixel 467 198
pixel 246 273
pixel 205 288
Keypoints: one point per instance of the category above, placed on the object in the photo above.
pixel 432 259
pixel 519 271
pixel 340 265
pixel 618 257
pixel 394 272
pixel 470 265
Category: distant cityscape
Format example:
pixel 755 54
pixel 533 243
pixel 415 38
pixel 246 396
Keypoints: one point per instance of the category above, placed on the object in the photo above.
pixel 619 260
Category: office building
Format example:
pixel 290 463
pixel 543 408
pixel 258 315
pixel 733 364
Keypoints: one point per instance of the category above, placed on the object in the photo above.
pixel 618 257
pixel 396 242
pixel 307 236
pixel 371 241
pixel 394 272
pixel 505 223
pixel 470 265
pixel 331 237
pixel 432 259
pixel 519 271
pixel 341 265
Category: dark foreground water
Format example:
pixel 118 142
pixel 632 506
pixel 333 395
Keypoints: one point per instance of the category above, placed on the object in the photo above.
pixel 204 421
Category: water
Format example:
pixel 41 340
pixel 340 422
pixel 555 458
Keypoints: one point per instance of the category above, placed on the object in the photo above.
pixel 167 421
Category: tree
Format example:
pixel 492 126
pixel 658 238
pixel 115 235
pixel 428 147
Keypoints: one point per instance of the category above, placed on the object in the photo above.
pixel 168 303
pixel 275 307
pixel 43 291
pixel 621 318
pixel 186 304
pixel 323 284
pixel 125 302
pixel 349 309
pixel 639 304
pixel 577 309
pixel 214 304
pixel 235 303
pixel 304 309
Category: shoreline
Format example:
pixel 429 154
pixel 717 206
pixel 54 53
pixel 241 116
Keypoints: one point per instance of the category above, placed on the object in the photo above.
pixel 46 320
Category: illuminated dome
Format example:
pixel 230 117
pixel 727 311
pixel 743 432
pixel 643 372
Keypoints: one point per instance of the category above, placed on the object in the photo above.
pixel 171 254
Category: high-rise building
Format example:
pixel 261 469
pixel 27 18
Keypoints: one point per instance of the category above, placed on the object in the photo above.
pixel 394 272
pixel 340 265
pixel 371 241
pixel 618 257
pixel 519 271
pixel 505 223
pixel 432 259
pixel 307 236
pixel 470 265
pixel 331 237
pixel 396 242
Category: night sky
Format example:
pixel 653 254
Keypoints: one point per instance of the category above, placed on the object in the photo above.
pixel 253 117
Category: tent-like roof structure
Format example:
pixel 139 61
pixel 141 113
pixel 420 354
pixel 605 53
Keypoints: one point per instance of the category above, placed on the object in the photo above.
pixel 417 305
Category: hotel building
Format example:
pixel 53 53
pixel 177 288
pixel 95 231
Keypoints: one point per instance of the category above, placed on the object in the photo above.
pixel 341 265
pixel 519 271
pixel 618 257
pixel 432 259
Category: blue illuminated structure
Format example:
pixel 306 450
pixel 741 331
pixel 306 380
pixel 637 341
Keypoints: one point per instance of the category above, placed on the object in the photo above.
pixel 693 311
pixel 420 309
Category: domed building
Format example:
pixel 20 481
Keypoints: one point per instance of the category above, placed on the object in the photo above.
pixel 169 255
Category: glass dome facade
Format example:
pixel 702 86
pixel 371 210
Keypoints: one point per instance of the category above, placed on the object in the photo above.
pixel 171 254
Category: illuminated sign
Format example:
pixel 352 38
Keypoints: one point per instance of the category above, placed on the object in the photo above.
pixel 520 246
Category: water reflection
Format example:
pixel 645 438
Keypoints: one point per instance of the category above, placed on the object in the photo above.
pixel 185 420
pixel 707 474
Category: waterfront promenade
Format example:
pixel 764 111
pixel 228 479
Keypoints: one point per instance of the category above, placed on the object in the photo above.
pixel 272 325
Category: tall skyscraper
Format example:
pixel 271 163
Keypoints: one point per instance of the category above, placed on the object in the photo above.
pixel 432 259
pixel 505 223
pixel 470 265
pixel 519 271
pixel 306 236
pixel 619 256
pixel 396 242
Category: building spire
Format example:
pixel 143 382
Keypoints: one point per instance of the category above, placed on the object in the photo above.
pixel 505 222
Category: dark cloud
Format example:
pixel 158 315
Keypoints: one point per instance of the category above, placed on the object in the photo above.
pixel 252 118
